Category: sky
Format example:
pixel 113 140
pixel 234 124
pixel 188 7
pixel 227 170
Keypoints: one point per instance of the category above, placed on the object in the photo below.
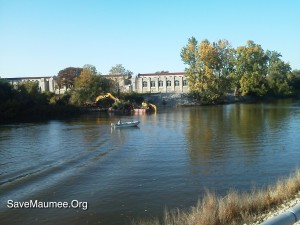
pixel 42 37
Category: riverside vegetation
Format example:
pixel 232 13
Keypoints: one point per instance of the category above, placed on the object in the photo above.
pixel 213 70
pixel 234 208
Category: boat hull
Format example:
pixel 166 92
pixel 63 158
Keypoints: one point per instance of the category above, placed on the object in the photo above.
pixel 125 124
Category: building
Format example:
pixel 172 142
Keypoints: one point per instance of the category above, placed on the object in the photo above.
pixel 161 83
pixel 46 83
pixel 123 82
pixel 143 83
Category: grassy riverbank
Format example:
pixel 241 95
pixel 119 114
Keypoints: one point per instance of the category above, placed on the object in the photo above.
pixel 234 208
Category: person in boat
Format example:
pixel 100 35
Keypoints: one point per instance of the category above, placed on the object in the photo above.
pixel 119 122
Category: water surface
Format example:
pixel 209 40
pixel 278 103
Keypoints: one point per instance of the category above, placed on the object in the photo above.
pixel 168 161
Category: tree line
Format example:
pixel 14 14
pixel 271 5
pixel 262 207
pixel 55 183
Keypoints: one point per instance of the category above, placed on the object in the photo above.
pixel 85 84
pixel 216 68
pixel 82 86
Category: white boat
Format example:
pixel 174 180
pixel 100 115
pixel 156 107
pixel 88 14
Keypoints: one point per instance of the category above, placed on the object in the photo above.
pixel 125 124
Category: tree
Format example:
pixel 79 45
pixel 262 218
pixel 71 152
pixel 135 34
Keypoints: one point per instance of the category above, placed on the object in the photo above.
pixel 278 72
pixel 210 65
pixel 251 70
pixel 162 71
pixel 66 77
pixel 92 69
pixel 294 78
pixel 6 90
pixel 119 70
pixel 29 88
pixel 88 86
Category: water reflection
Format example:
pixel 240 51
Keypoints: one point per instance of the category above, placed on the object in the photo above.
pixel 167 161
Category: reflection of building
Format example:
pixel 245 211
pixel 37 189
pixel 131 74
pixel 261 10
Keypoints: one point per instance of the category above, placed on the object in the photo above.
pixel 161 83
pixel 45 83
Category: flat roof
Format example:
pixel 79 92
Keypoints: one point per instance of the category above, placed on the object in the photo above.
pixel 160 74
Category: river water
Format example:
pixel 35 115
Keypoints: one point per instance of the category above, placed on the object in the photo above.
pixel 123 174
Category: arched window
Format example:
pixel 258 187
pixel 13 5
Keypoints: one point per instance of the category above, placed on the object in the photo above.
pixel 184 83
pixel 152 84
pixel 176 82
pixel 144 83
pixel 168 83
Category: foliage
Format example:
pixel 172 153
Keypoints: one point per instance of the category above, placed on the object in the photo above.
pixel 90 68
pixel 214 69
pixel 294 78
pixel 6 90
pixel 66 77
pixel 26 101
pixel 278 72
pixel 134 98
pixel 210 67
pixel 88 86
pixel 119 70
pixel 162 71
pixel 251 70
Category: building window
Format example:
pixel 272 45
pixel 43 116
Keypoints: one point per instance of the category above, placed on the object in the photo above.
pixel 144 83
pixel 152 84
pixel 184 83
pixel 160 83
pixel 176 82
pixel 168 83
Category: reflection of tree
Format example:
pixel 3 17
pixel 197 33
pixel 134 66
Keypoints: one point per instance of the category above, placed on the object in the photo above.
pixel 206 131
pixel 218 133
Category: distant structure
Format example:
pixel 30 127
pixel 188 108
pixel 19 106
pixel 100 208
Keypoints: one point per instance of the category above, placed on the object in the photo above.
pixel 123 82
pixel 161 83
pixel 46 83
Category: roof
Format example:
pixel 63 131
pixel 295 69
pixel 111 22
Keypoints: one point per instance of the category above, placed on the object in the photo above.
pixel 161 74
pixel 117 75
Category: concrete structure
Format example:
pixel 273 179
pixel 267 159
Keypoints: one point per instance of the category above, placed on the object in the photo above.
pixel 161 83
pixel 123 82
pixel 142 83
pixel 46 83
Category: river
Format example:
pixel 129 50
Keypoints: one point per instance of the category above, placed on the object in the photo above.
pixel 123 174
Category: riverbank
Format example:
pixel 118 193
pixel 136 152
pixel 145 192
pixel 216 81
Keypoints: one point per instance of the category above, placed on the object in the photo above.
pixel 39 112
pixel 286 205
pixel 237 208
pixel 184 99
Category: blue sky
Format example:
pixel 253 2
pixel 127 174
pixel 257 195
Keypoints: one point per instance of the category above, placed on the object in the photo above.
pixel 41 37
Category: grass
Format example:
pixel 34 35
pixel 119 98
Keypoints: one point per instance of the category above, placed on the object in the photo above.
pixel 234 208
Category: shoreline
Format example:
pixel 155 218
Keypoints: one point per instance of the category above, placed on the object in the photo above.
pixel 286 205
pixel 250 208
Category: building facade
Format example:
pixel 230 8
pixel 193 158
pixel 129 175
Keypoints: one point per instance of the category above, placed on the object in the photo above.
pixel 45 83
pixel 142 83
pixel 161 83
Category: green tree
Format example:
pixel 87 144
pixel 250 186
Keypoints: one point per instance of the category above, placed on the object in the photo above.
pixel 92 69
pixel 29 87
pixel 88 86
pixel 66 77
pixel 119 70
pixel 278 72
pixel 6 90
pixel 209 68
pixel 251 70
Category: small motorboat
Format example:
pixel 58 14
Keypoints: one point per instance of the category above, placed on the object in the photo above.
pixel 125 124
